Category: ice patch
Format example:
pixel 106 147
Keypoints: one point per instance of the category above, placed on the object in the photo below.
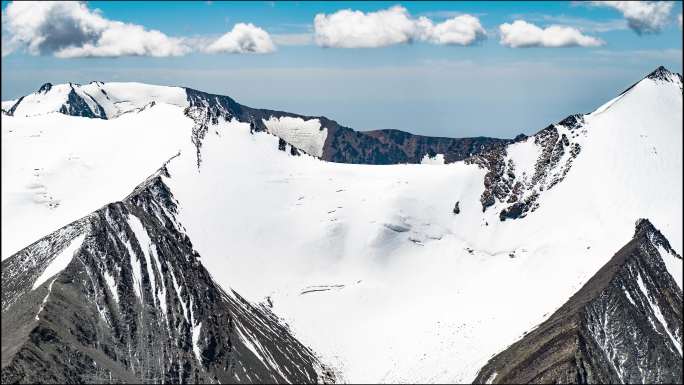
pixel 195 341
pixel 60 262
pixel 178 293
pixel 135 268
pixel 306 135
pixel 112 285
pixel 629 297
pixel 248 343
pixel 144 241
pixel 42 305
pixel 658 314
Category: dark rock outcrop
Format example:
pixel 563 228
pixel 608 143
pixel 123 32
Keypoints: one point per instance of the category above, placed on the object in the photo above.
pixel 556 153
pixel 342 144
pixel 345 145
pixel 623 326
pixel 45 88
pixel 76 106
pixel 135 305
pixel 11 110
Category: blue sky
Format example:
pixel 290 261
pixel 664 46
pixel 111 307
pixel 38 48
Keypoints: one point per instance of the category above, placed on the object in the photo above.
pixel 483 88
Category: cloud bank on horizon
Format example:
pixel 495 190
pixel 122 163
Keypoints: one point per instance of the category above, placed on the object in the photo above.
pixel 73 30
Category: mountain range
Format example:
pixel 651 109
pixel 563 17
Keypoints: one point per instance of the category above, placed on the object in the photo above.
pixel 163 234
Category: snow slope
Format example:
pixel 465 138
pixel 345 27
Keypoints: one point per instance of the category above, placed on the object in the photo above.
pixel 58 168
pixel 7 104
pixel 304 134
pixel 113 98
pixel 406 290
pixel 368 264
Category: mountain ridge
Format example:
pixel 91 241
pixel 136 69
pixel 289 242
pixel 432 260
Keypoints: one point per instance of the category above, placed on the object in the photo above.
pixel 615 329
pixel 382 243
pixel 107 318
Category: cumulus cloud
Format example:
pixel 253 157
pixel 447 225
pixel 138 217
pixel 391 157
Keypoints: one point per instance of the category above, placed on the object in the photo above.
pixel 460 30
pixel 71 29
pixel 644 17
pixel 521 34
pixel 355 29
pixel 243 38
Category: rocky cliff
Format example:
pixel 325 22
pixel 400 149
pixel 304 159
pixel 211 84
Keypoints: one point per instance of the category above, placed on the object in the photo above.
pixel 132 303
pixel 623 326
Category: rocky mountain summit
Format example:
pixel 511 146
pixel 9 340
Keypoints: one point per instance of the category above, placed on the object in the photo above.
pixel 258 251
pixel 624 326
pixel 134 304
pixel 340 144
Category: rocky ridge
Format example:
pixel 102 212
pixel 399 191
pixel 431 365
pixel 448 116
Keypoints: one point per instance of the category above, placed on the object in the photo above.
pixel 134 304
pixel 623 326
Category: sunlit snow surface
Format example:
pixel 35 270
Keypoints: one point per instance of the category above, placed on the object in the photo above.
pixel 307 135
pixel 405 289
pixel 58 168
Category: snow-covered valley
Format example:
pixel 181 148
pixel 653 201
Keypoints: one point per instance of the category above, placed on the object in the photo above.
pixel 369 265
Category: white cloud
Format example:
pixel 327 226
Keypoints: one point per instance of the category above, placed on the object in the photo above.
pixel 679 18
pixel 243 38
pixel 521 34
pixel 71 29
pixel 8 46
pixel 355 29
pixel 642 16
pixel 461 30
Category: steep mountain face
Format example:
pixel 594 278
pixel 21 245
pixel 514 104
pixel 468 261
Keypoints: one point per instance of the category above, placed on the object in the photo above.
pixel 121 296
pixel 394 146
pixel 516 183
pixel 624 326
pixel 374 251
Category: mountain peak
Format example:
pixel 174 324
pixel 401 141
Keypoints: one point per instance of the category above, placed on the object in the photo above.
pixel 662 73
pixel 644 228
pixel 612 315
pixel 643 225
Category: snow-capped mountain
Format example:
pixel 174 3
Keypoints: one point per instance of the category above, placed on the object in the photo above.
pixel 624 326
pixel 395 273
pixel 121 296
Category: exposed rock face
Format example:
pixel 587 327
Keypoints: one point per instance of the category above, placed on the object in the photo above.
pixel 76 106
pixel 345 145
pixel 342 144
pixel 11 110
pixel 623 326
pixel 134 304
pixel 556 147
